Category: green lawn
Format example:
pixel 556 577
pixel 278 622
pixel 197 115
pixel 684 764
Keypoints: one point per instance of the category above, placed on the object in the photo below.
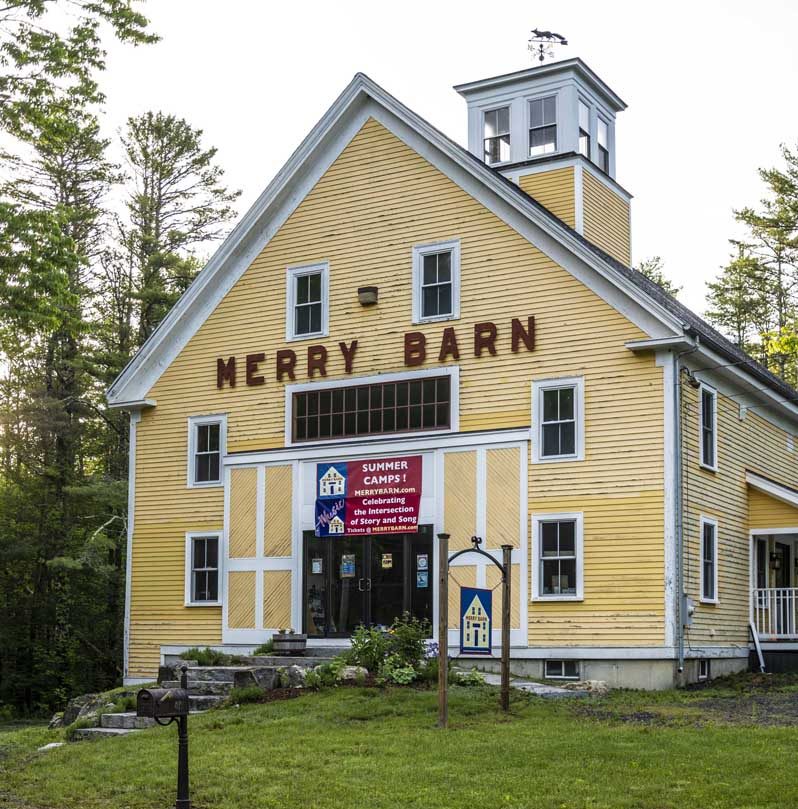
pixel 357 747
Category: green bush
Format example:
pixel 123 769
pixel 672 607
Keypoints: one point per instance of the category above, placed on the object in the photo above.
pixel 265 648
pixel 407 638
pixel 394 670
pixel 210 657
pixel 469 678
pixel 249 693
pixel 369 649
pixel 123 704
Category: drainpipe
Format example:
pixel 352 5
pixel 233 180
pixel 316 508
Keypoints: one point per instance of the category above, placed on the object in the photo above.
pixel 677 406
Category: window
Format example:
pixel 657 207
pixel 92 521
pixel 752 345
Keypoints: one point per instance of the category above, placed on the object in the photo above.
pixel 584 129
pixel 497 135
pixel 558 405
pixel 557 552
pixel 307 297
pixel 542 126
pixel 561 670
pixel 709 561
pixel 703 669
pixel 206 447
pixel 603 141
pixel 202 569
pixel 436 281
pixel 411 405
pixel 708 427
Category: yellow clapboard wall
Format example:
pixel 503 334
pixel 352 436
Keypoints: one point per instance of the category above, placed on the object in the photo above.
pixel 554 190
pixel 375 202
pixel 767 512
pixel 606 218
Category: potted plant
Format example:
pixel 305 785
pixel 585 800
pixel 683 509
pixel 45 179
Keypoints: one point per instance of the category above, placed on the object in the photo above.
pixel 288 642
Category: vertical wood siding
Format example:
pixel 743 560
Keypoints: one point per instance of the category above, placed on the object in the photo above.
pixel 376 201
pixel 279 508
pixel 606 218
pixel 554 190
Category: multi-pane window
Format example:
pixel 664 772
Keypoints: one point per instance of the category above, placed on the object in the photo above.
pixel 561 670
pixel 709 560
pixel 412 405
pixel 207 452
pixel 204 569
pixel 707 416
pixel 308 304
pixel 603 142
pixel 558 558
pixel 558 422
pixel 436 284
pixel 542 126
pixel 584 129
pixel 496 135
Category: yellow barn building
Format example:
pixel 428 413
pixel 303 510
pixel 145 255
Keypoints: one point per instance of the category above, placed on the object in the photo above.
pixel 392 295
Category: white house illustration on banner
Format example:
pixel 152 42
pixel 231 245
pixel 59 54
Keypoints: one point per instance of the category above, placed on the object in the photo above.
pixel 331 483
pixel 475 626
pixel 336 525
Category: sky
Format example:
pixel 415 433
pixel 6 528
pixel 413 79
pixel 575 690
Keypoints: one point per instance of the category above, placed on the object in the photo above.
pixel 710 88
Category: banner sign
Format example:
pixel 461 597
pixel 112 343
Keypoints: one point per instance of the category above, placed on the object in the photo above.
pixel 476 620
pixel 377 496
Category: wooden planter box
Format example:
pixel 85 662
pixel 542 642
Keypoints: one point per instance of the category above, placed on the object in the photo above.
pixel 289 644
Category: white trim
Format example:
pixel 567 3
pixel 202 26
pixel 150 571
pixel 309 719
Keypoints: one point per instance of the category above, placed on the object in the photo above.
pixel 774 490
pixel 713 467
pixel 716 561
pixel 534 567
pixel 759 532
pixel 139 404
pixel 499 105
pixel 188 552
pixel 294 272
pixel 563 676
pixel 538 387
pixel 126 681
pixel 452 371
pixel 135 418
pixel 193 423
pixel 421 250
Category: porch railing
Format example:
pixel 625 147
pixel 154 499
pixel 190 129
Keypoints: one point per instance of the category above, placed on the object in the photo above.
pixel 774 611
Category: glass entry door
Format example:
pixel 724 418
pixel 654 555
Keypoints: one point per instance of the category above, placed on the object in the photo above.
pixel 370 580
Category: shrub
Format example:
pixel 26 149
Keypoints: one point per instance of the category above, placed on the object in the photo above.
pixel 407 638
pixel 265 648
pixel 394 670
pixel 313 680
pixel 210 657
pixel 123 704
pixel 249 693
pixel 369 649
pixel 469 678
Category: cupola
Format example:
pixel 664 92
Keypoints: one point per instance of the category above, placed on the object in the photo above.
pixel 551 129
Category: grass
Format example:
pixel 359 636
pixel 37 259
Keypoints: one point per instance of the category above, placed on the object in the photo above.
pixel 380 749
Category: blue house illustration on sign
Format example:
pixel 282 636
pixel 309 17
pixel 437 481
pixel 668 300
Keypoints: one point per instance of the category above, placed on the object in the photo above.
pixel 476 608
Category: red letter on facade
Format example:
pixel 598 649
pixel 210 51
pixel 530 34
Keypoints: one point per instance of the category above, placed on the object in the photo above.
pixel 286 362
pixel 520 334
pixel 225 371
pixel 415 351
pixel 317 360
pixel 253 378
pixel 349 355
pixel 484 337
pixel 449 345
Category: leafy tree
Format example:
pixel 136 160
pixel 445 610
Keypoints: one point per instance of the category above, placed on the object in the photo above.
pixel 654 269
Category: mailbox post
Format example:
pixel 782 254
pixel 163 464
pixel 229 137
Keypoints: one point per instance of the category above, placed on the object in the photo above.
pixel 167 705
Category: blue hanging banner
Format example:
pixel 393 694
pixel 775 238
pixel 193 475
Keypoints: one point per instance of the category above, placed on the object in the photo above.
pixel 476 620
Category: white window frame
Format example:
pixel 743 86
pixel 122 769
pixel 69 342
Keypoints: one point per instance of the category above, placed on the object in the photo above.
pixel 579 103
pixel 714 523
pixel 576 517
pixel 704 388
pixel 509 108
pixel 540 385
pixel 539 97
pixel 597 162
pixel 189 550
pixel 563 676
pixel 294 272
pixel 421 250
pixel 193 423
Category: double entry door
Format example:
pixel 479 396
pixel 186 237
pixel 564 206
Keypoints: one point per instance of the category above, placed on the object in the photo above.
pixel 369 580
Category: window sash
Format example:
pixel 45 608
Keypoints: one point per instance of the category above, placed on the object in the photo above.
pixel 204 574
pixel 437 298
pixel 708 404
pixel 207 460
pixel 308 313
pixel 496 135
pixel 708 561
pixel 563 561
pixel 542 126
pixel 563 428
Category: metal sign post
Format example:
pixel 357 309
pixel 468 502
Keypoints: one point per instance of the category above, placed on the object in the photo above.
pixel 444 560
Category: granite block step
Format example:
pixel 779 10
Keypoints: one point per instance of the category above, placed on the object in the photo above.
pixel 203 702
pixel 126 721
pixel 203 687
pixel 86 734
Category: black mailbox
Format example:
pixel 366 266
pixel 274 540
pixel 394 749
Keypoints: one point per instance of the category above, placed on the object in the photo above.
pixel 162 703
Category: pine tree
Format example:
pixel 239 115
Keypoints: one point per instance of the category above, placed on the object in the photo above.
pixel 654 269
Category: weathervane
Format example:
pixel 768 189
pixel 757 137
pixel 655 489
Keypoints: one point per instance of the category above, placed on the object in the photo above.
pixel 542 43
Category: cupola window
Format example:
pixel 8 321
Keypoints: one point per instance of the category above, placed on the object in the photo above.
pixel 584 129
pixel 542 126
pixel 497 135
pixel 603 140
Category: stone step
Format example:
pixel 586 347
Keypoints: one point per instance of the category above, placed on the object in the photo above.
pixel 203 702
pixel 126 721
pixel 280 661
pixel 101 733
pixel 203 687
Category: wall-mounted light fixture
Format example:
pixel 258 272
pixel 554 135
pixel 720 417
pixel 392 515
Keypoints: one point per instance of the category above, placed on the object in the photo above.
pixel 367 296
pixel 775 561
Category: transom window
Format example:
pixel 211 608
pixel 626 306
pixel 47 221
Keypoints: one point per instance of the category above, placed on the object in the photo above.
pixel 496 136
pixel 584 129
pixel 709 560
pixel 542 126
pixel 603 141
pixel 558 558
pixel 307 301
pixel 561 670
pixel 708 420
pixel 413 405
pixel 204 569
pixel 206 442
pixel 436 281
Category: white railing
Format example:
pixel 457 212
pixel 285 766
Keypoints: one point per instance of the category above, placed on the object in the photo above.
pixel 774 611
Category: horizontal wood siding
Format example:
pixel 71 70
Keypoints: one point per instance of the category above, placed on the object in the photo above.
pixel 377 200
pixel 767 512
pixel 747 443
pixel 606 218
pixel 554 190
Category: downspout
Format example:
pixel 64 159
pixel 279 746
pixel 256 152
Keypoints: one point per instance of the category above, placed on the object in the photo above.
pixel 677 408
